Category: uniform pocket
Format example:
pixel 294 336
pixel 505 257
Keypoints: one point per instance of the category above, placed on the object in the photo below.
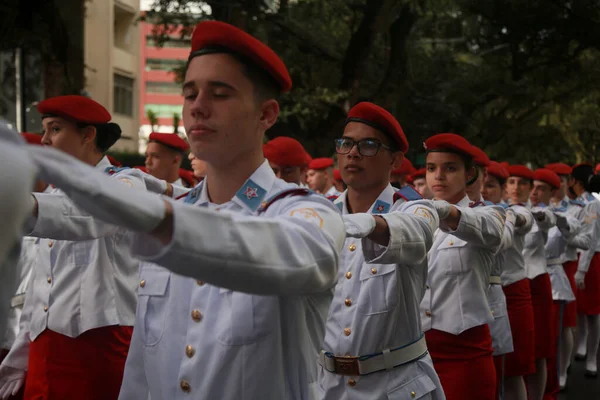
pixel 451 252
pixel 378 289
pixel 498 310
pixel 153 296
pixel 251 318
pixel 418 388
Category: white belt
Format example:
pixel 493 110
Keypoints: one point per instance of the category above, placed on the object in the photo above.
pixel 495 280
pixel 364 365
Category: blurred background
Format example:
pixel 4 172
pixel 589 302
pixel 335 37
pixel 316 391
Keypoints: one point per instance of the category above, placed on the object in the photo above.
pixel 520 79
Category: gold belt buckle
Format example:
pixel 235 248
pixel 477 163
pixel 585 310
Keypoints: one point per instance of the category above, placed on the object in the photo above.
pixel 346 366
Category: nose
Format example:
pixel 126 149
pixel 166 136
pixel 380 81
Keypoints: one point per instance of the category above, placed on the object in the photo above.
pixel 200 106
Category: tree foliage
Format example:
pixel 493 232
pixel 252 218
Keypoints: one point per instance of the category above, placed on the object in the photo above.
pixel 521 79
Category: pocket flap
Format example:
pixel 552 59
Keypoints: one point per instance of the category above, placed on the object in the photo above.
pixel 415 389
pixel 153 282
pixel 451 242
pixel 373 270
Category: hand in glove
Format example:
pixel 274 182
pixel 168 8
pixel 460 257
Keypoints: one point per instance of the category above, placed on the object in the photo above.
pixel 511 217
pixel 11 380
pixel 443 208
pixel 153 184
pixel 359 225
pixel 539 215
pixel 103 197
pixel 562 223
pixel 580 279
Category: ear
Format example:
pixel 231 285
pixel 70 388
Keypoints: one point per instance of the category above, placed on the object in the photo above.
pixel 177 159
pixel 397 159
pixel 89 134
pixel 471 173
pixel 269 113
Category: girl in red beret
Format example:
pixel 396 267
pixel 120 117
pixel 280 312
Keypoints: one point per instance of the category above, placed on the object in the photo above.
pixel 455 312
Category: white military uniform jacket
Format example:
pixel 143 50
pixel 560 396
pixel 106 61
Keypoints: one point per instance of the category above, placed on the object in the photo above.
pixel 514 264
pixel 376 304
pixel 591 211
pixel 460 264
pixel 332 192
pixel 253 323
pixel 582 240
pixel 534 250
pixel 84 277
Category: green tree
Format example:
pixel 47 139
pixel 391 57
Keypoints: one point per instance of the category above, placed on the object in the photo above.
pixel 176 120
pixel 152 118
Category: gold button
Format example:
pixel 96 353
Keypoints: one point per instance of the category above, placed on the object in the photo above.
pixel 451 243
pixel 45 308
pixel 189 351
pixel 427 286
pixel 413 394
pixel 50 243
pixel 351 382
pixel 199 283
pixel 373 271
pixel 142 283
pixel 347 331
pixel 185 386
pixel 196 315
pixel 348 275
pixel 49 280
pixel 492 312
pixel 428 313
pixel 348 302
pixel 352 247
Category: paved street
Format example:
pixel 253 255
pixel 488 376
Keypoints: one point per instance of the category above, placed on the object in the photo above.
pixel 580 387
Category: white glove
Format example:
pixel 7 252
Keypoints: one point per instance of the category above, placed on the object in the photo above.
pixel 101 196
pixel 511 217
pixel 443 208
pixel 359 225
pixel 580 279
pixel 11 380
pixel 153 184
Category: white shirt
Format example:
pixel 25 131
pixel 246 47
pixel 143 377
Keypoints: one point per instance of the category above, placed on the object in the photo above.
pixel 377 297
pixel 84 277
pixel 591 211
pixel 332 192
pixel 534 249
pixel 254 330
pixel 514 263
pixel 582 240
pixel 460 263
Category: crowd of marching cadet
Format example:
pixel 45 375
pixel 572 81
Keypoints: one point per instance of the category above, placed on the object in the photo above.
pixel 294 278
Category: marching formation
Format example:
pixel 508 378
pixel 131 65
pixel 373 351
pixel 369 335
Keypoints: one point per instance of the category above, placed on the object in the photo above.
pixel 267 274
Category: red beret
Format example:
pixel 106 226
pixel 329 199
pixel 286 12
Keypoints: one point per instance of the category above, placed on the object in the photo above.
pixel 406 168
pixel 285 151
pixel 171 140
pixel 420 173
pixel 378 118
pixel 321 163
pixel 449 142
pixel 337 174
pixel 78 108
pixel 32 138
pixel 505 164
pixel 497 170
pixel 214 37
pixel 114 161
pixel 480 157
pixel 547 176
pixel 187 176
pixel 559 168
pixel 520 171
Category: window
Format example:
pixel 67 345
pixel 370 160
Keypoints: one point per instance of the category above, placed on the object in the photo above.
pixel 161 64
pixel 163 87
pixel 169 43
pixel 163 110
pixel 123 95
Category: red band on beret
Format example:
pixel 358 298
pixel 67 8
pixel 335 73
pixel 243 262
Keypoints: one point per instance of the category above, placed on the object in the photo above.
pixel 78 108
pixel 380 119
pixel 285 152
pixel 520 171
pixel 547 176
pixel 215 34
pixel 171 140
pixel 321 163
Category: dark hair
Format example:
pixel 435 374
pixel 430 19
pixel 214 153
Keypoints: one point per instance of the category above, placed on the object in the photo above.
pixel 106 134
pixel 582 174
pixel 467 160
pixel 265 86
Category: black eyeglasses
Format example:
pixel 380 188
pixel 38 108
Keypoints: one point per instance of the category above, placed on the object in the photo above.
pixel 366 147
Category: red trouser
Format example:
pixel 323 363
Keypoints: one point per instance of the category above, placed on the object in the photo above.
pixel 464 363
pixel 521 361
pixel 89 366
pixel 588 299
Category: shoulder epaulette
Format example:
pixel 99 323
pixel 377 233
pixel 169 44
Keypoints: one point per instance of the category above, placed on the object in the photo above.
pixel 488 203
pixel 332 198
pixel 577 203
pixel 407 193
pixel 474 204
pixel 113 170
pixel 286 193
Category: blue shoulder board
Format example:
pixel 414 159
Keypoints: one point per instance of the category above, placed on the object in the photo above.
pixel 113 170
pixel 559 209
pixel 503 205
pixel 407 193
pixel 488 203
pixel 577 203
